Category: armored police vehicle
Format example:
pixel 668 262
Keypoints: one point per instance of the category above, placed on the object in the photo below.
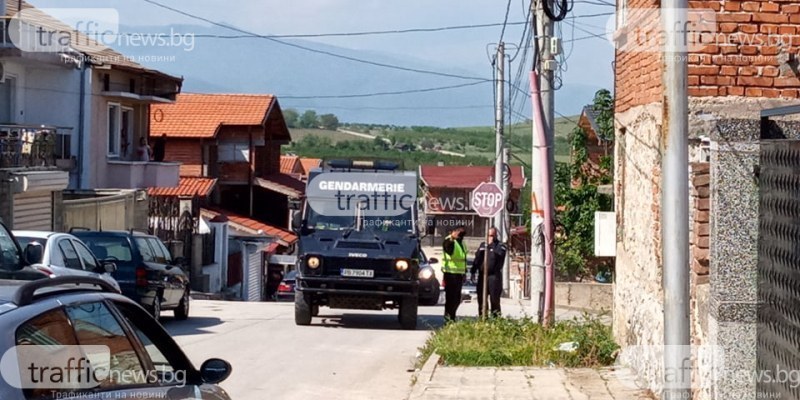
pixel 359 246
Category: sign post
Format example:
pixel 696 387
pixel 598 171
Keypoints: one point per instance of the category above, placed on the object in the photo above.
pixel 487 201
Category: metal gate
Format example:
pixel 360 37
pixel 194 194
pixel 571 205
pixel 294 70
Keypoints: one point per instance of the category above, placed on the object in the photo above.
pixel 778 348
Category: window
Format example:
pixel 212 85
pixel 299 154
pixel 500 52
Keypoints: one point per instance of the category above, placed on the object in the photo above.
pixel 63 150
pixel 145 250
pixel 9 254
pixel 50 329
pixel 234 152
pixel 71 259
pixel 116 248
pixel 161 255
pixel 7 97
pixel 113 129
pixel 95 325
pixel 89 262
pixel 126 130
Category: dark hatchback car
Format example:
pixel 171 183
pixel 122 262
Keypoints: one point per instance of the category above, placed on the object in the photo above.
pixel 62 317
pixel 146 272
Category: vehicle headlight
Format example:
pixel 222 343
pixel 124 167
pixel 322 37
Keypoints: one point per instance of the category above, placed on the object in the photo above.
pixel 313 262
pixel 401 265
pixel 425 273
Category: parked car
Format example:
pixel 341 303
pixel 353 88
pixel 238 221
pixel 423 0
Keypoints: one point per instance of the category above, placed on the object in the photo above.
pixel 286 287
pixel 146 271
pixel 60 322
pixel 429 287
pixel 66 255
pixel 16 263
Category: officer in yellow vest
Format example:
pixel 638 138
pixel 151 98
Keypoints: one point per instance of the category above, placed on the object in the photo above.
pixel 454 267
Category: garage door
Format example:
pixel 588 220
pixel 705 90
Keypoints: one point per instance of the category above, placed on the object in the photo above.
pixel 254 275
pixel 33 211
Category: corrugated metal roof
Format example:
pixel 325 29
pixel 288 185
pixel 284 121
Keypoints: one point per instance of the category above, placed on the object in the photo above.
pixel 465 177
pixel 187 187
pixel 201 115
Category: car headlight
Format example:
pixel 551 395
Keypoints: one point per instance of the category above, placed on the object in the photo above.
pixel 425 273
pixel 313 262
pixel 401 265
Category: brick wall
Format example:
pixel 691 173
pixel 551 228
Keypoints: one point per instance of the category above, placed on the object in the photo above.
pixel 638 74
pixel 188 152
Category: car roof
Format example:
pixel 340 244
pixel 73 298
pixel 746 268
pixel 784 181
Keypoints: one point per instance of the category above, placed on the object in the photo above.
pixel 34 234
pixel 10 289
pixel 111 233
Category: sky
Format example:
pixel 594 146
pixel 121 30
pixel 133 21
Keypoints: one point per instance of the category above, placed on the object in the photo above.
pixel 589 61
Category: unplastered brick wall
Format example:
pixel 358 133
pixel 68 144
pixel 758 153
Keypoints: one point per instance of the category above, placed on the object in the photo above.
pixel 751 52
pixel 637 73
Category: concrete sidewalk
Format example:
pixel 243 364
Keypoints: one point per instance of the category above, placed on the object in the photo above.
pixel 435 381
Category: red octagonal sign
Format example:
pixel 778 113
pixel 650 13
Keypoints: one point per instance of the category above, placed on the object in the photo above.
pixel 487 199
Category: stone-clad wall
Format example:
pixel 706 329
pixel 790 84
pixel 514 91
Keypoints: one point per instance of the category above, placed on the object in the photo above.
pixel 638 296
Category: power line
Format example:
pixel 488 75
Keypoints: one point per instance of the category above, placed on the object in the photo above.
pixel 297 46
pixel 355 108
pixel 362 33
pixel 505 22
pixel 350 96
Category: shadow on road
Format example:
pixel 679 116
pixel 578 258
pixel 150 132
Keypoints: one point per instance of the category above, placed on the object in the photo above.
pixel 191 326
pixel 377 321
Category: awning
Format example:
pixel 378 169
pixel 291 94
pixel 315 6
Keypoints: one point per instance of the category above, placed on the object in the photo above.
pixel 187 187
pixel 283 184
pixel 252 227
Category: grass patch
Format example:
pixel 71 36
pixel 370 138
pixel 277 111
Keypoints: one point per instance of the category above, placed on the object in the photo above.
pixel 500 342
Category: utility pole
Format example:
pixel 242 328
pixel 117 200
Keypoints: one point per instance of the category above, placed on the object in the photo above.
pixel 542 226
pixel 500 162
pixel 675 202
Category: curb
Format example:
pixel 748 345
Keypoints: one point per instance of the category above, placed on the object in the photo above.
pixel 423 376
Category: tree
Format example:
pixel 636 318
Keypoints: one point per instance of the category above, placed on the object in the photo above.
pixel 427 144
pixel 290 115
pixel 309 119
pixel 329 121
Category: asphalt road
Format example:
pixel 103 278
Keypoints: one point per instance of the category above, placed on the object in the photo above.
pixel 344 354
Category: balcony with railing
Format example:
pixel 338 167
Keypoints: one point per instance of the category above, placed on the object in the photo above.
pixel 29 146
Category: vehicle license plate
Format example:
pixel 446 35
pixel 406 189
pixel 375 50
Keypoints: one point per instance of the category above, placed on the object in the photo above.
pixel 358 273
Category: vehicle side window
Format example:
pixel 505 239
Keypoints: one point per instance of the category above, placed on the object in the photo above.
pixel 145 250
pixel 96 325
pixel 49 329
pixel 9 254
pixel 86 256
pixel 159 251
pixel 71 259
pixel 169 362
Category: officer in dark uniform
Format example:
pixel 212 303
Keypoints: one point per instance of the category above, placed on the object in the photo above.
pixel 497 257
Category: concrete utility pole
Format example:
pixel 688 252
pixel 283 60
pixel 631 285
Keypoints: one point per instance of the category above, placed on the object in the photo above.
pixel 500 154
pixel 675 203
pixel 542 235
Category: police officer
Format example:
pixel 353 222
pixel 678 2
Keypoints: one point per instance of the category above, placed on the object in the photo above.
pixel 497 256
pixel 454 267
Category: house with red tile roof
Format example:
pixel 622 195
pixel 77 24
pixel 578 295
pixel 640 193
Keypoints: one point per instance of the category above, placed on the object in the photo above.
pixel 308 164
pixel 291 165
pixel 234 139
pixel 447 192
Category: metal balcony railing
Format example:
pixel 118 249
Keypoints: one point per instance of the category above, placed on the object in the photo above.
pixel 27 146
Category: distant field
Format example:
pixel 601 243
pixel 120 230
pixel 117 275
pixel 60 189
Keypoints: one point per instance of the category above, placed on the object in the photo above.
pixel 335 137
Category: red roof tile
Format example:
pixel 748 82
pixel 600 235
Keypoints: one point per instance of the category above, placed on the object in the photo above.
pixel 291 165
pixel 465 177
pixel 253 226
pixel 200 115
pixel 309 164
pixel 187 187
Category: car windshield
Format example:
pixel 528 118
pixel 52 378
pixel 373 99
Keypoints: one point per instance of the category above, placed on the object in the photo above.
pixel 327 215
pixel 114 248
pixel 9 252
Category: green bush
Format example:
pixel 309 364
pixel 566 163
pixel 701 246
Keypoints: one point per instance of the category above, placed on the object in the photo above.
pixel 500 342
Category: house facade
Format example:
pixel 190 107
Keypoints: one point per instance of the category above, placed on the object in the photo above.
pixel 447 193
pixel 733 73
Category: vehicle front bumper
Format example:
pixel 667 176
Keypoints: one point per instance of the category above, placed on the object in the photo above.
pixel 358 287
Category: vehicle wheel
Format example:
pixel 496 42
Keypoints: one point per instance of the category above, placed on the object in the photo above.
pixel 155 309
pixel 182 312
pixel 408 313
pixel 434 299
pixel 302 309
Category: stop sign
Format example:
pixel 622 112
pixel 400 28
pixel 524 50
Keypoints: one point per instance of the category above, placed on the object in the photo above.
pixel 487 199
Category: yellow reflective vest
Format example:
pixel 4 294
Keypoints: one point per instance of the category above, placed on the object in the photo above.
pixel 456 263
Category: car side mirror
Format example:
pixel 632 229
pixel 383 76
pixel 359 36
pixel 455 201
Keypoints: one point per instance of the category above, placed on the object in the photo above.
pixel 215 370
pixel 109 267
pixel 433 260
pixel 34 253
pixel 179 261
